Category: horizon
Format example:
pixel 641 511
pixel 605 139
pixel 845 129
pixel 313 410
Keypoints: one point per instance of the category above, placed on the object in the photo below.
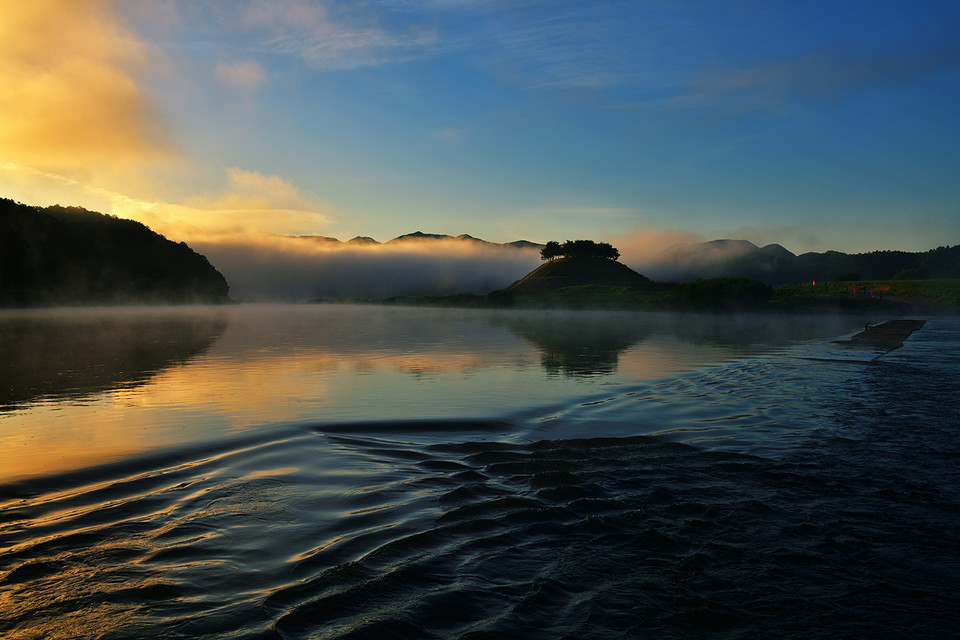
pixel 300 268
pixel 420 235
pixel 818 127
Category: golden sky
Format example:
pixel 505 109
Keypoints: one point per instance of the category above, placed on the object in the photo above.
pixel 80 127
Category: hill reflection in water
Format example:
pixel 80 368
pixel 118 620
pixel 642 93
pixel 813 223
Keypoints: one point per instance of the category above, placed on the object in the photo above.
pixel 83 387
pixel 53 354
pixel 655 344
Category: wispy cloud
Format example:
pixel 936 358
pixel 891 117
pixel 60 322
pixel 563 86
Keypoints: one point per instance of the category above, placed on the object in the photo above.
pixel 330 41
pixel 353 48
pixel 559 46
pixel 826 74
pixel 244 75
pixel 667 56
pixel 544 45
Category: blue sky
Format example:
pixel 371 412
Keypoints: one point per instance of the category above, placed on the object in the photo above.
pixel 818 125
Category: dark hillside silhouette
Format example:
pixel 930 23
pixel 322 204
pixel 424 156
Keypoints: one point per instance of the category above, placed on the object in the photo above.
pixel 774 265
pixel 561 273
pixel 68 255
pixel 580 274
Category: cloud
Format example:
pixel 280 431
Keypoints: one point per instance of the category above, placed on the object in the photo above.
pixel 285 14
pixel 576 49
pixel 254 190
pixel 250 203
pixel 346 41
pixel 245 75
pixel 825 74
pixel 72 99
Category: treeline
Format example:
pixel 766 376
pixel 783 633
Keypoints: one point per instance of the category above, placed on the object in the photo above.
pixel 68 255
pixel 942 262
pixel 775 265
pixel 579 249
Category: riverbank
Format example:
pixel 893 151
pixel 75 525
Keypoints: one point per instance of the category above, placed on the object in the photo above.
pixel 725 295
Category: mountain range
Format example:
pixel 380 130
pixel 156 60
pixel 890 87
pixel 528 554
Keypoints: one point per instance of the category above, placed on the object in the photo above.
pixel 68 255
pixel 419 236
pixel 771 264
pixel 775 265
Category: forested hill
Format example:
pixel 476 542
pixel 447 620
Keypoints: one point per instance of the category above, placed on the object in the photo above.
pixel 68 255
pixel 775 265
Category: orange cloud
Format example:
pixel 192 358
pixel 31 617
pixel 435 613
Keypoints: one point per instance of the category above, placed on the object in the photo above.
pixel 71 100
pixel 252 202
pixel 254 190
pixel 251 207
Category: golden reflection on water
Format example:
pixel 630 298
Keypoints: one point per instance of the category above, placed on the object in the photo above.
pixel 82 388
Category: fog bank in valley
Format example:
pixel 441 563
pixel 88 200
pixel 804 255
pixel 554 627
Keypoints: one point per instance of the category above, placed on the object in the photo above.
pixel 272 268
pixel 287 269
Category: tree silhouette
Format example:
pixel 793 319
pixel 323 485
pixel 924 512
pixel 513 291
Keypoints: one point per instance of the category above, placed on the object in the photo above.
pixel 579 249
pixel 550 251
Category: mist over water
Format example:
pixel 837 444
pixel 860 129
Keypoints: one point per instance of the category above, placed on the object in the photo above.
pixel 366 472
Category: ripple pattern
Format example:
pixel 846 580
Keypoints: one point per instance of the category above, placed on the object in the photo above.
pixel 591 538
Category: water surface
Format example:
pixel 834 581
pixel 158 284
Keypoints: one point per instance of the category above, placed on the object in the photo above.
pixel 331 472
pixel 85 386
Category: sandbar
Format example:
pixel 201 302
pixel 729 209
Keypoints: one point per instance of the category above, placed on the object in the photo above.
pixel 885 336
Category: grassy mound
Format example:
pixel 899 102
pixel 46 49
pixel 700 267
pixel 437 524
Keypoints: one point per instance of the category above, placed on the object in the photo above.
pixel 578 272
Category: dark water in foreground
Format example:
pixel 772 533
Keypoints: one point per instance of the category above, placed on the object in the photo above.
pixel 798 490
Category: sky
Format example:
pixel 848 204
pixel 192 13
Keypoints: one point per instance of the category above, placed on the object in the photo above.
pixel 815 125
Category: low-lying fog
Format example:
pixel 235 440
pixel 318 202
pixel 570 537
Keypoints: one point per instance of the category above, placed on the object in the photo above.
pixel 289 269
pixel 296 270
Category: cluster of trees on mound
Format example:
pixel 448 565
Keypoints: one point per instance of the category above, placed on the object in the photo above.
pixel 68 255
pixel 579 249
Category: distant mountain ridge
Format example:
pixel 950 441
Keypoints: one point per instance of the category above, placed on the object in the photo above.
pixel 772 264
pixel 68 255
pixel 775 265
pixel 420 237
